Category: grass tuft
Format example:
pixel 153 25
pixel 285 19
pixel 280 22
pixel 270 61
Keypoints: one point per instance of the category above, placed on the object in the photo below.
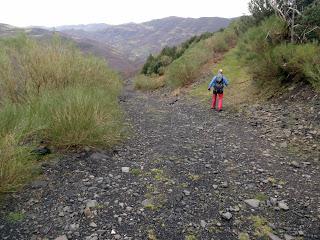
pixel 148 83
pixel 51 92
pixel 261 227
pixel 15 217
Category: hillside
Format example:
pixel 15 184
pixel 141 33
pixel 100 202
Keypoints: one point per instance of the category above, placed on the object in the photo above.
pixel 127 46
pixel 80 161
pixel 115 59
pixel 137 41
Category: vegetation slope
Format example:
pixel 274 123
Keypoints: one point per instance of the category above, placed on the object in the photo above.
pixel 263 53
pixel 50 93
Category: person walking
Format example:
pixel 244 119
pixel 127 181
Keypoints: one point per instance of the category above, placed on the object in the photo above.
pixel 218 83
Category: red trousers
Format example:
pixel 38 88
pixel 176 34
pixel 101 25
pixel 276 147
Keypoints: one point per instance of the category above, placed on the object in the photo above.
pixel 214 100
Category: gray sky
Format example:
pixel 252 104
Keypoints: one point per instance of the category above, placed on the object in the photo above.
pixel 62 12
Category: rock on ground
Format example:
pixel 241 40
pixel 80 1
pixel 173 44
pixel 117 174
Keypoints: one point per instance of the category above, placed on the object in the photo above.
pixel 185 165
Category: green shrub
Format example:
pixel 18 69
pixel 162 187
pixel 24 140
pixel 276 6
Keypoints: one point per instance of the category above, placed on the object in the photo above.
pixel 218 43
pixel 147 83
pixel 242 25
pixel 157 64
pixel 184 70
pixel 310 19
pixel 179 73
pixel 258 40
pixel 16 164
pixel 35 67
pixel 50 91
pixel 271 59
pixel 289 63
pixel 79 116
pixel 312 72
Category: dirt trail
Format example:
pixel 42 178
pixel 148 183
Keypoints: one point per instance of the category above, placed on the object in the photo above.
pixel 191 171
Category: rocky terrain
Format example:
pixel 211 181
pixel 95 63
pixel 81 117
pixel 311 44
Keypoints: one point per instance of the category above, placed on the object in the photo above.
pixel 291 121
pixel 184 173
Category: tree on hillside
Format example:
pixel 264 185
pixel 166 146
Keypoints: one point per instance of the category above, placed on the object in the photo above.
pixel 157 64
pixel 169 51
pixel 147 65
pixel 293 12
pixel 260 9
pixel 300 16
pixel 243 24
pixel 302 4
pixel 311 19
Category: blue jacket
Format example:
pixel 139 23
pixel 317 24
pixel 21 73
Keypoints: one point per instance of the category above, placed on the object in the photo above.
pixel 214 82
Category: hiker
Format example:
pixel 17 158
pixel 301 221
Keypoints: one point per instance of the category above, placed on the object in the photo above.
pixel 218 82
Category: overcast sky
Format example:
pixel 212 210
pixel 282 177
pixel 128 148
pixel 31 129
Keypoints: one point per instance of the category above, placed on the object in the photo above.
pixel 62 12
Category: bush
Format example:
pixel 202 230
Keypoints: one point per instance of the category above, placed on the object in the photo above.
pixel 242 25
pixel 157 65
pixel 185 69
pixel 147 83
pixel 29 68
pixel 258 40
pixel 310 19
pixel 51 92
pixel 255 48
pixel 265 51
pixel 16 164
pixel 298 62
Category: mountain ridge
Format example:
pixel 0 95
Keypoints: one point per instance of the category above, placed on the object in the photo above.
pixel 138 40
pixel 126 46
pixel 106 25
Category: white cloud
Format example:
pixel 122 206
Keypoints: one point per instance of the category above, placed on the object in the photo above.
pixel 62 12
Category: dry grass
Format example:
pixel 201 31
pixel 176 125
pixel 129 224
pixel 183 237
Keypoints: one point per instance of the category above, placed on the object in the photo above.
pixel 50 91
pixel 16 165
pixel 148 83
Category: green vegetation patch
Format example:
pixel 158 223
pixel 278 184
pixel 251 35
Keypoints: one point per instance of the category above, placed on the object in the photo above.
pixel 148 83
pixel 152 235
pixel 261 227
pixel 261 196
pixel 244 236
pixel 273 61
pixel 241 88
pixel 136 171
pixel 194 177
pixel 156 65
pixel 51 92
pixel 16 217
pixel 191 237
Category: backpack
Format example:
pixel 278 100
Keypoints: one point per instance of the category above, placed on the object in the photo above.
pixel 219 84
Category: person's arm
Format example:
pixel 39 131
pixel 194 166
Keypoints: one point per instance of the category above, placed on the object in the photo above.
pixel 212 83
pixel 225 81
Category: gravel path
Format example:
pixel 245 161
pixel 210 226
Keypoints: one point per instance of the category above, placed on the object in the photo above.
pixel 185 173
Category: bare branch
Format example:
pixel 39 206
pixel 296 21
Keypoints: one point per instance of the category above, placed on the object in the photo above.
pixel 313 29
pixel 295 10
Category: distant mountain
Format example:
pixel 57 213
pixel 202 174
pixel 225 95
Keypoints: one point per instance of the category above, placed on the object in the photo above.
pixel 137 41
pixel 8 30
pixel 85 27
